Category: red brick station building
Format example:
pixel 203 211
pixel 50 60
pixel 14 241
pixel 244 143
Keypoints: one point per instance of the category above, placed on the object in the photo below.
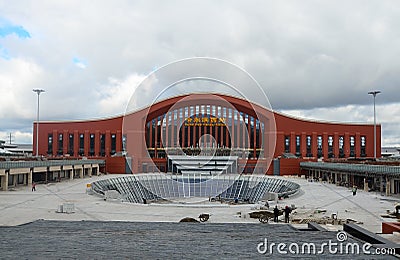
pixel 263 141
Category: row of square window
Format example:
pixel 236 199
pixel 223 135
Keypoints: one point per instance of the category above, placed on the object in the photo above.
pixel 330 141
pixel 81 146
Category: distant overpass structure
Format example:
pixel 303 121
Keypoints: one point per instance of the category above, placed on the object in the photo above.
pixel 19 173
pixel 12 149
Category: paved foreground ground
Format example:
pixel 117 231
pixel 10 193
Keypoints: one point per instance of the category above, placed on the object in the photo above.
pixel 165 240
pixel 22 205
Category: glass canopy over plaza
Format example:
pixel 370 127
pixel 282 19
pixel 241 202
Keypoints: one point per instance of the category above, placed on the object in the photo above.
pixel 230 187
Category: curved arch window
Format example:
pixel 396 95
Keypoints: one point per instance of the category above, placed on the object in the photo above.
pixel 225 127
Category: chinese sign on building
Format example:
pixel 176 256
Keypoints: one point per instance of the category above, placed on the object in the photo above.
pixel 205 121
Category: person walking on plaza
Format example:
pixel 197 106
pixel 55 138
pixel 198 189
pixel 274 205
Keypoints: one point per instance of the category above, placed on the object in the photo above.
pixel 33 186
pixel 276 213
pixel 354 190
pixel 287 212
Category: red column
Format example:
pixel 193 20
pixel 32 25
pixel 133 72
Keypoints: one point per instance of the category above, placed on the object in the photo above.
pixel 357 143
pixel 185 133
pixel 346 145
pixel 303 144
pixel 87 143
pixel 76 143
pixel 378 141
pixel 97 143
pixel 266 136
pixel 189 142
pixel 199 128
pixel 108 143
pixel 119 141
pixel 193 130
pixel 55 142
pixel 204 133
pixel 293 142
pixel 325 145
pixel 314 143
pixel 151 134
pixel 336 144
pixel 65 142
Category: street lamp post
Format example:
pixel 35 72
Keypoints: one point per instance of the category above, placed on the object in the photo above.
pixel 374 93
pixel 37 91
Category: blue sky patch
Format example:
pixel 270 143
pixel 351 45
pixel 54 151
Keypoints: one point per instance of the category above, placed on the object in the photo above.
pixel 79 63
pixel 6 28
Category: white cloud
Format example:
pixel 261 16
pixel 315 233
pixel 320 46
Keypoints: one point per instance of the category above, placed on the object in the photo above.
pixel 308 56
pixel 114 97
pixel 17 79
pixel 17 137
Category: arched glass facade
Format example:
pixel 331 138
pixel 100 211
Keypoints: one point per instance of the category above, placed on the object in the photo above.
pixel 204 128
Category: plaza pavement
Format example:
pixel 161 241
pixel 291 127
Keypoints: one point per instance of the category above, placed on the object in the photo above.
pixel 21 205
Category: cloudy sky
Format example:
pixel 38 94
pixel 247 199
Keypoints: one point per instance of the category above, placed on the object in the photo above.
pixel 314 59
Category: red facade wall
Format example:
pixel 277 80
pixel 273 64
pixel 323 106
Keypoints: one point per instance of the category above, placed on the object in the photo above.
pixel 132 126
pixel 103 126
pixel 116 165
pixel 291 166
pixel 290 126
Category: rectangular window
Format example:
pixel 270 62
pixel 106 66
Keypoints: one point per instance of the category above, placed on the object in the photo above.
pixel 91 145
pixel 258 124
pixel 153 133
pixel 113 144
pixel 60 144
pixel 287 144
pixel 319 146
pixel 50 144
pixel 309 146
pixel 102 145
pixel 352 146
pixel 251 122
pixel 169 126
pixel 147 135
pixel 71 144
pixel 159 129
pixel 341 146
pixel 124 143
pixel 241 141
pixel 246 135
pixel 330 147
pixel 81 145
pixel 297 145
pixel 363 144
pixel 163 133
